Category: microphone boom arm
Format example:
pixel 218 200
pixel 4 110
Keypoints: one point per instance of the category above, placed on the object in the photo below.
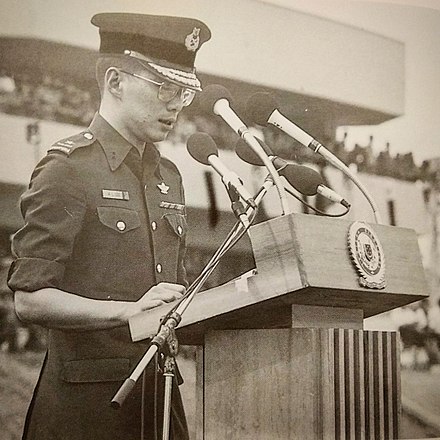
pixel 244 133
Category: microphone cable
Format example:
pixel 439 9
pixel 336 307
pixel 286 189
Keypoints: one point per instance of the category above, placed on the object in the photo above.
pixel 318 211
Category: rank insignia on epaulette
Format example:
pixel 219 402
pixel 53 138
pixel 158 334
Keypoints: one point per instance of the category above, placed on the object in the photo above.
pixel 67 142
pixel 68 145
pixel 59 147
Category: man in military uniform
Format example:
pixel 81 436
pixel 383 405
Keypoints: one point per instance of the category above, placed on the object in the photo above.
pixel 104 236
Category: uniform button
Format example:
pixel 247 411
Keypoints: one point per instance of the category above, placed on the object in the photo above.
pixel 121 225
pixel 179 230
pixel 159 268
pixel 153 226
pixel 88 135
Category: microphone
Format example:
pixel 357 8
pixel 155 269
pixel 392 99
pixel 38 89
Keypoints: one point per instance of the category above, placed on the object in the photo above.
pixel 262 109
pixel 217 99
pixel 329 194
pixel 304 179
pixel 249 156
pixel 203 149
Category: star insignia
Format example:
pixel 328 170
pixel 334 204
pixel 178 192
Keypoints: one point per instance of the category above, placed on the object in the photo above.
pixel 163 187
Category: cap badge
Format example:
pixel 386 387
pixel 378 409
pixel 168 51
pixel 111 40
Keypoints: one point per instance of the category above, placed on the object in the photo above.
pixel 192 40
pixel 163 187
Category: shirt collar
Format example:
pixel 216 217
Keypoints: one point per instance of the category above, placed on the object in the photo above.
pixel 115 146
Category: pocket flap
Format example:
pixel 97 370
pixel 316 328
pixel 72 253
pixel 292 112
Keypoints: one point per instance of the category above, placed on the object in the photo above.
pixel 177 222
pixel 120 219
pixel 96 370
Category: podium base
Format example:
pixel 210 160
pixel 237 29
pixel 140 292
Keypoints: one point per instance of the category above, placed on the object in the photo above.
pixel 305 383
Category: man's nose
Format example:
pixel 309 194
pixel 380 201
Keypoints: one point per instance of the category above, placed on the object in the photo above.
pixel 176 104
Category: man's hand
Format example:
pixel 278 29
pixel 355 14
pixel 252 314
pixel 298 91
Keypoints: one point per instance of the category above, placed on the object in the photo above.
pixel 158 295
pixel 56 308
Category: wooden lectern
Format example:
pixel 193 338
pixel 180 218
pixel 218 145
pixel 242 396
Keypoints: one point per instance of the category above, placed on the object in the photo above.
pixel 284 352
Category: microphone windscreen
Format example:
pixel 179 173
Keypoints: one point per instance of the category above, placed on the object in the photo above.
pixel 247 154
pixel 304 179
pixel 211 94
pixel 200 146
pixel 260 106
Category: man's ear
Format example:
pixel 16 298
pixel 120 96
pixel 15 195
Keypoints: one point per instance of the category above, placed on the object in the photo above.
pixel 112 81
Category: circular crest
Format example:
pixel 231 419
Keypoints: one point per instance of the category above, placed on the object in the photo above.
pixel 367 255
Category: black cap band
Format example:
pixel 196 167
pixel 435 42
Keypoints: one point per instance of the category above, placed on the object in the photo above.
pixel 154 47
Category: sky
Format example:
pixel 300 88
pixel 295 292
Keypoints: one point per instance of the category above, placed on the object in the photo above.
pixel 415 23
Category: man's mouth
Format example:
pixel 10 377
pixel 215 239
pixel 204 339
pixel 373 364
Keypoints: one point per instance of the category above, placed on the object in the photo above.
pixel 168 122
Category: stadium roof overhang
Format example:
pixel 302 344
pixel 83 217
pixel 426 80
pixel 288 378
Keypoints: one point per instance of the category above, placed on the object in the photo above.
pixel 320 115
pixel 315 111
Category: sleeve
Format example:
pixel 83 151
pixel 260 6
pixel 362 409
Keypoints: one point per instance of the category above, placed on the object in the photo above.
pixel 53 209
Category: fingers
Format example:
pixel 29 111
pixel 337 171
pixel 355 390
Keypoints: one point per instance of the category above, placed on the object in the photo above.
pixel 161 294
pixel 166 291
pixel 155 303
pixel 144 304
pixel 172 286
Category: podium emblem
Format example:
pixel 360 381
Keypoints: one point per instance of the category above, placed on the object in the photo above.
pixel 367 255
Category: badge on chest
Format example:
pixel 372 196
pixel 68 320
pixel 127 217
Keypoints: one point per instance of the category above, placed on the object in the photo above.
pixel 115 194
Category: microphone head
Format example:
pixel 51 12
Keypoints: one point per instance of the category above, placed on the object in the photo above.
pixel 211 94
pixel 247 154
pixel 260 106
pixel 200 146
pixel 304 179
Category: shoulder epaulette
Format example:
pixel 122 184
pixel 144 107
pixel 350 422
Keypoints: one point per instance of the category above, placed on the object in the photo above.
pixel 70 144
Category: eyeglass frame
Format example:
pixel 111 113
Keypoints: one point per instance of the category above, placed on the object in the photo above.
pixel 160 84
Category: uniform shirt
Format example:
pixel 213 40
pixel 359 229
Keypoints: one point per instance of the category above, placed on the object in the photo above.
pixel 102 223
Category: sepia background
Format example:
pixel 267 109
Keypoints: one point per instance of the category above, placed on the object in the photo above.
pixel 363 77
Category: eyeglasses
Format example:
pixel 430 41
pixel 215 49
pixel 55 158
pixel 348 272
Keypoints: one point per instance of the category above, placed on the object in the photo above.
pixel 167 90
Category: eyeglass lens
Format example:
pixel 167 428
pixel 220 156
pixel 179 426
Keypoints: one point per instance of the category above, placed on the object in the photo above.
pixel 167 92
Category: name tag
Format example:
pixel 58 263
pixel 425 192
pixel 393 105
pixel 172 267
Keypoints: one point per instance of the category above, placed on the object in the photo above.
pixel 169 205
pixel 115 194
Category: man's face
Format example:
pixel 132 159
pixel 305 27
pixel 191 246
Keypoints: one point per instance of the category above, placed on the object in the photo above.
pixel 145 116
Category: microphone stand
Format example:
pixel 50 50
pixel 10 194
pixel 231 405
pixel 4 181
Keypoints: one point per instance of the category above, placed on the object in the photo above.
pixel 236 206
pixel 166 332
pixel 247 136
pixel 169 373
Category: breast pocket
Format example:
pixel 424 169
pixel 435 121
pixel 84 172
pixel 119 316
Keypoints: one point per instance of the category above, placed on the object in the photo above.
pixel 178 223
pixel 120 220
